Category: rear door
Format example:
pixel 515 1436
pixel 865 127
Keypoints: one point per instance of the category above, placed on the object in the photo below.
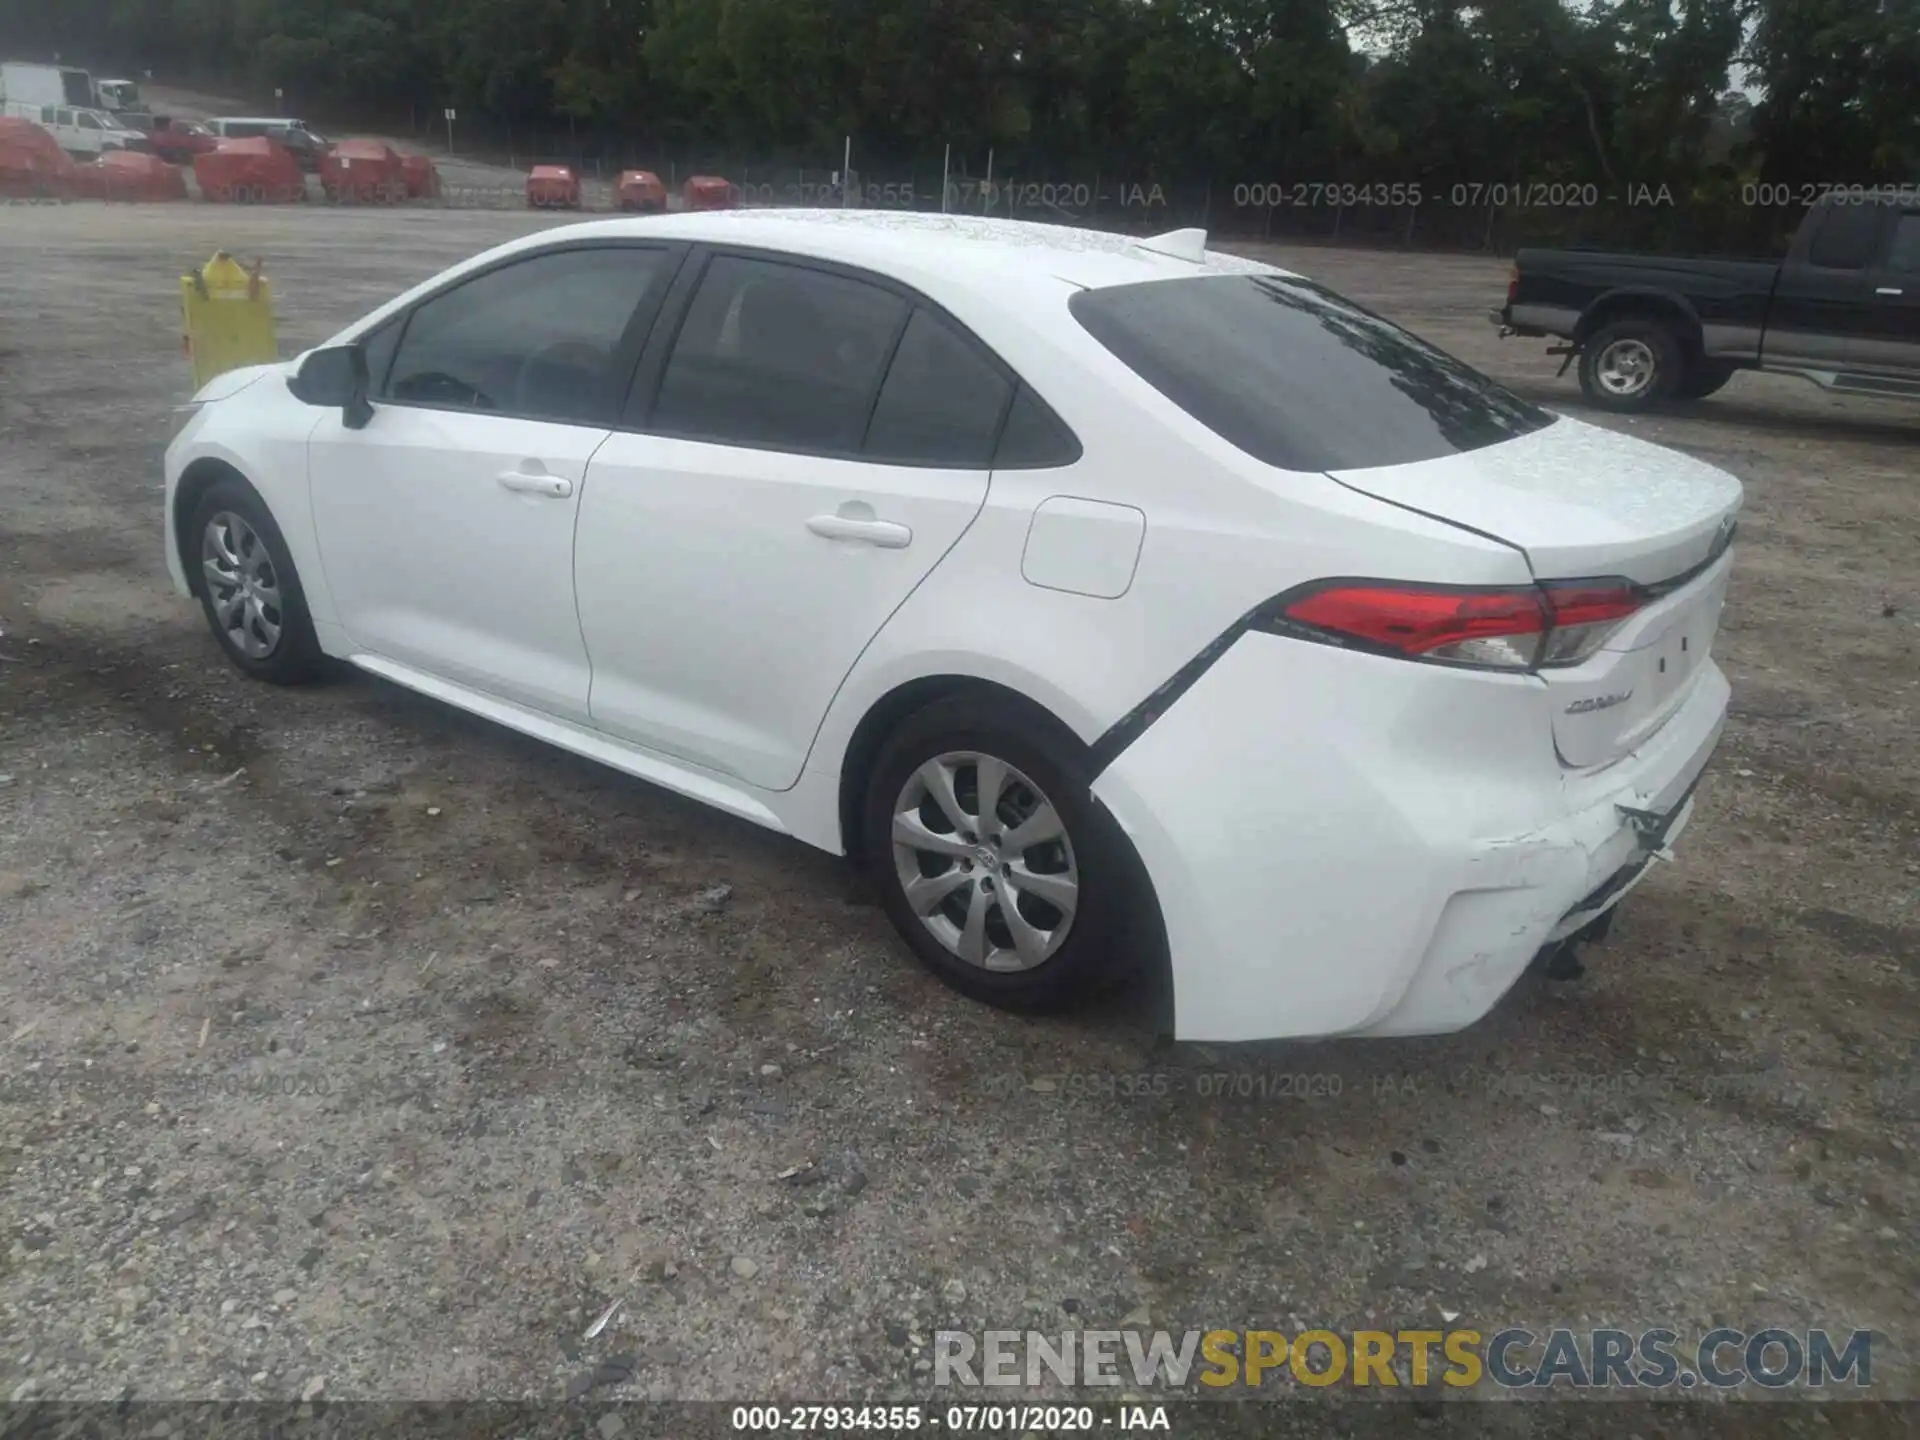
pixel 803 446
pixel 1889 342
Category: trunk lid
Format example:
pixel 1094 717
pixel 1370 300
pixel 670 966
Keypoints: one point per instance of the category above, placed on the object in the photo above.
pixel 1582 502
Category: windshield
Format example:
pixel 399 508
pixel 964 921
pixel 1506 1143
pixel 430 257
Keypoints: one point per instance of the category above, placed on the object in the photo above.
pixel 1298 376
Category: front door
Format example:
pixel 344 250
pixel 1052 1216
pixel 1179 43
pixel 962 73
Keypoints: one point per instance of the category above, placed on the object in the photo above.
pixel 813 446
pixel 446 525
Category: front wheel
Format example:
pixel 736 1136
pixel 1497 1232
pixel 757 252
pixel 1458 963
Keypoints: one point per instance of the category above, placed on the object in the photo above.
pixel 994 862
pixel 248 587
pixel 1631 365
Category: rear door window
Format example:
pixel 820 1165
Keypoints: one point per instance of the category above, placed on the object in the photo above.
pixel 1847 237
pixel 1034 438
pixel 1903 252
pixel 1300 377
pixel 942 400
pixel 778 356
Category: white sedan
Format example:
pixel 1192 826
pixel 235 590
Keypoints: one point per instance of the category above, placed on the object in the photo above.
pixel 1116 601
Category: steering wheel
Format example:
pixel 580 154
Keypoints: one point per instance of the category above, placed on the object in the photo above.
pixel 433 387
pixel 565 376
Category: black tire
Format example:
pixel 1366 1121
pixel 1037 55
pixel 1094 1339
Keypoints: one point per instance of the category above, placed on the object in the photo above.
pixel 294 658
pixel 1097 951
pixel 1703 378
pixel 1615 349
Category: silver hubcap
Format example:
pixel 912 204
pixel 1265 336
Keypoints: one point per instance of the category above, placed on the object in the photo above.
pixel 985 861
pixel 1625 367
pixel 242 584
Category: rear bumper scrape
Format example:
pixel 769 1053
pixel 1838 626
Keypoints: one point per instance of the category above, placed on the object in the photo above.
pixel 1345 845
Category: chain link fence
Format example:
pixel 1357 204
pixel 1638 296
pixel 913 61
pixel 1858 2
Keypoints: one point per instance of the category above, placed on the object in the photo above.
pixel 1492 216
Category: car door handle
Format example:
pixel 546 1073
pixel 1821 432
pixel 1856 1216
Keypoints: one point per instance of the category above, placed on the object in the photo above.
pixel 556 486
pixel 1888 290
pixel 884 533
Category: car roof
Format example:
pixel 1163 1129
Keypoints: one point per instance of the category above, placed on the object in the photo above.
pixel 915 246
pixel 996 275
pixel 257 120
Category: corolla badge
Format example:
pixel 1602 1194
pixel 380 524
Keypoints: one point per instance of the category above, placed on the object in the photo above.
pixel 1599 702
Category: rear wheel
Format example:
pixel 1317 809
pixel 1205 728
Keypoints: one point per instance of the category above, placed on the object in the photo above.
pixel 1631 365
pixel 994 862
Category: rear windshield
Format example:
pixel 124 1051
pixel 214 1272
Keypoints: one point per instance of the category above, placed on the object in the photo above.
pixel 1299 377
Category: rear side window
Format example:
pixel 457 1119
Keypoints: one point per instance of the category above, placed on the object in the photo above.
pixel 1846 237
pixel 1034 438
pixel 942 400
pixel 536 338
pixel 1299 377
pixel 778 356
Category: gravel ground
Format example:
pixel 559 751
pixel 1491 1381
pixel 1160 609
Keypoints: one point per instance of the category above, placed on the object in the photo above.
pixel 348 1041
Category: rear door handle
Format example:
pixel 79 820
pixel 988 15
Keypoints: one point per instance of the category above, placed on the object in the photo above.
pixel 883 533
pixel 556 486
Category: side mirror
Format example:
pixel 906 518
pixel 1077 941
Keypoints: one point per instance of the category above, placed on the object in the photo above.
pixel 335 377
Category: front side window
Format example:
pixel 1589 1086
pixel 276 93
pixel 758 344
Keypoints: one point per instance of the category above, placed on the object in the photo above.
pixel 1300 377
pixel 778 356
pixel 87 122
pixel 536 338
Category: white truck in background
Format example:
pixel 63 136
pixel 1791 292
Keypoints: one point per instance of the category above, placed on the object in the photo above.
pixel 24 83
pixel 63 99
pixel 121 97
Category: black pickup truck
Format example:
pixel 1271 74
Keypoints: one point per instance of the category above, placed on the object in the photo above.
pixel 1842 310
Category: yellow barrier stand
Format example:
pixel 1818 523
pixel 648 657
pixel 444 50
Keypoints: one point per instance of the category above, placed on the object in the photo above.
pixel 228 310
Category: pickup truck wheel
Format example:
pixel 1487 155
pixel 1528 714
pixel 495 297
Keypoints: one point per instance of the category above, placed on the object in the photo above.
pixel 1631 365
pixel 1702 380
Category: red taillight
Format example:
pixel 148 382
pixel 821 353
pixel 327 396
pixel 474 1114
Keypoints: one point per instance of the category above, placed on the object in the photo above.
pixel 1515 628
pixel 1585 613
pixel 1513 284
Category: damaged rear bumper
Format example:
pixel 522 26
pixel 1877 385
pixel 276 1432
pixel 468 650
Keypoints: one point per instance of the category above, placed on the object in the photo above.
pixel 1365 848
